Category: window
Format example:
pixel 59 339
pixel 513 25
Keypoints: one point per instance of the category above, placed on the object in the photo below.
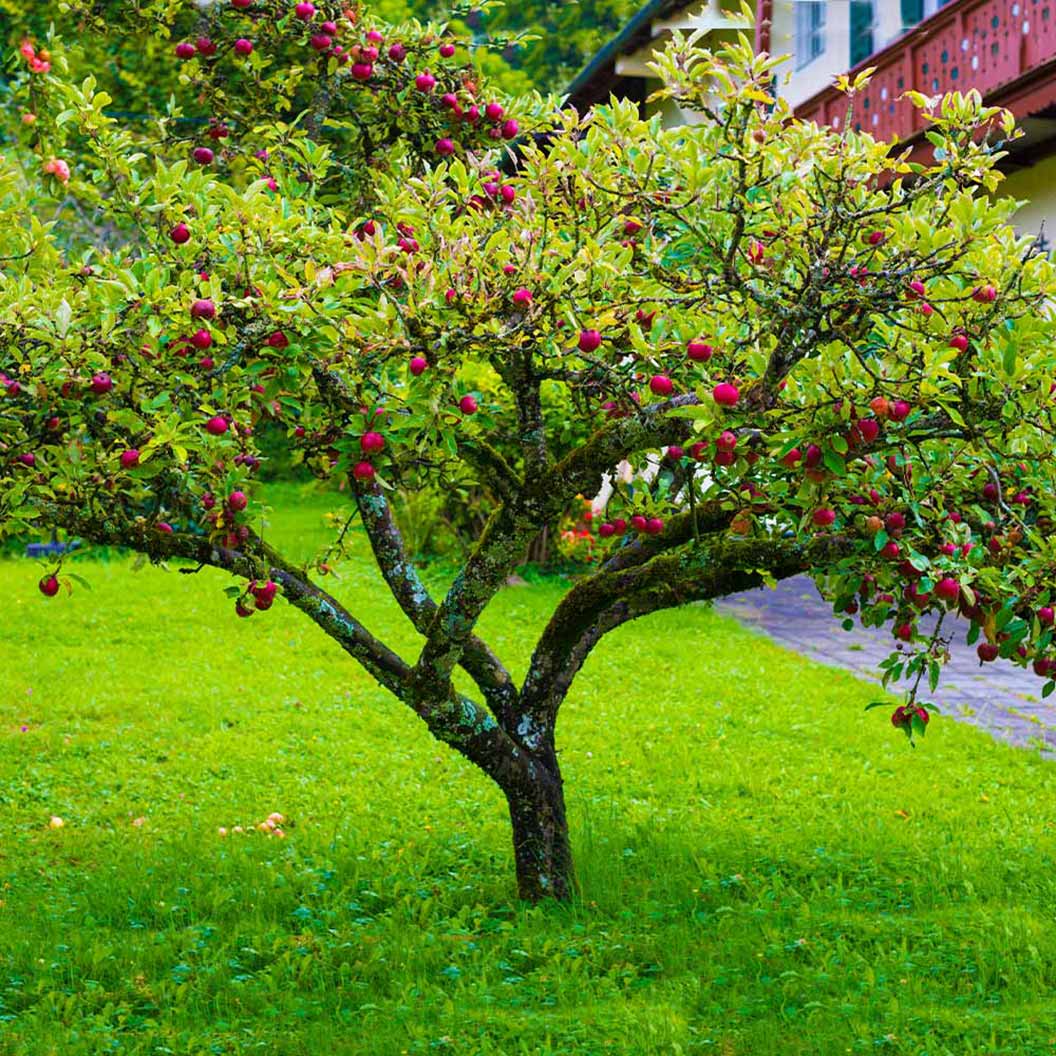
pixel 862 24
pixel 810 31
pixel 914 11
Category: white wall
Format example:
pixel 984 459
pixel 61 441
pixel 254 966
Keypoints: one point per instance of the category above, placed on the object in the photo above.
pixel 835 59
pixel 1038 185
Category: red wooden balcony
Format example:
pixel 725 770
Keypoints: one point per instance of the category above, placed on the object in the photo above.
pixel 1006 49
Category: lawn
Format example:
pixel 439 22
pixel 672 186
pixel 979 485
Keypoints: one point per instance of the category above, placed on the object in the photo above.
pixel 765 868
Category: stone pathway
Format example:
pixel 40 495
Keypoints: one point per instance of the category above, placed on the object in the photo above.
pixel 1000 698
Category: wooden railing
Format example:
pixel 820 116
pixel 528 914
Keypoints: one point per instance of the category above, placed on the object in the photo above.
pixel 988 45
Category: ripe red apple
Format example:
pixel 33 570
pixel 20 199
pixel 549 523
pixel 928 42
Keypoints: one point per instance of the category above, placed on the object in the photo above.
pixel 201 339
pixel 243 46
pixel 985 294
pixel 425 82
pixel 242 4
pixel 654 526
pixel 868 429
pixel 727 440
pixel 320 42
pixel 661 385
pixel 987 652
pixel 445 147
pixel 101 384
pixel 639 523
pixel 674 452
pixel 890 550
pixel 493 112
pixel 185 50
pixel 370 443
pixel 49 586
pixel 959 342
pixel 1045 616
pixel 948 590
pixel 824 517
pixel 917 287
pixel 510 129
pixel 589 340
pixel 900 717
pixel 606 530
pixel 130 458
pixel 904 632
pixel 216 426
pixel 447 50
pixel 362 71
pixel 725 394
pixel 990 491
pixel 791 458
pixel 203 309
pixel 204 46
pixel 898 411
pixel 305 11
pixel 203 155
pixel 397 52
pixel 699 351
pixel 620 525
pixel 363 471
pixel 242 610
pixel 419 364
pixel 876 237
pixel 467 405
pixel 237 501
pixel 522 297
pixel 895 523
pixel 180 233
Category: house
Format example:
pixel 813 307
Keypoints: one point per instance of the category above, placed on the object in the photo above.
pixel 1004 48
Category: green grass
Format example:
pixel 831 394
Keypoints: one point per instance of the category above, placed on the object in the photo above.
pixel 765 869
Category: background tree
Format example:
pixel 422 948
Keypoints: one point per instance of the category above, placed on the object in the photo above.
pixel 843 361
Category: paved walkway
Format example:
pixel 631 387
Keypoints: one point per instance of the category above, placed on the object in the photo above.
pixel 999 697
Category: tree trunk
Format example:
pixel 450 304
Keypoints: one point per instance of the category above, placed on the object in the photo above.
pixel 540 836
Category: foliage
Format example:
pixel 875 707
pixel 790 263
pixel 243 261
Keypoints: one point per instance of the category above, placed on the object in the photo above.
pixel 761 874
pixel 809 356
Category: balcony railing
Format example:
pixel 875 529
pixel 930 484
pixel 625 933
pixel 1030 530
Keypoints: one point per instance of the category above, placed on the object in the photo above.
pixel 989 45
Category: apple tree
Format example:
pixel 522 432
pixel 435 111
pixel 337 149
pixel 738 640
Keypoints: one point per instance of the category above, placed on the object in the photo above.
pixel 831 360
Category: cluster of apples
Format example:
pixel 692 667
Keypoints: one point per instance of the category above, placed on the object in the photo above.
pixel 270 826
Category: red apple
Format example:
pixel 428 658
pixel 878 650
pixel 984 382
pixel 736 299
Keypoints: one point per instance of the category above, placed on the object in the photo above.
pixel 370 443
pixel 589 340
pixel 725 394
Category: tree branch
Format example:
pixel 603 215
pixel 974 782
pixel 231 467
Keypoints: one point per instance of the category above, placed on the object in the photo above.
pixel 386 540
pixel 610 598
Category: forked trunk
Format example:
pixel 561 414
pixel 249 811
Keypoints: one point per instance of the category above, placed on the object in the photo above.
pixel 540 837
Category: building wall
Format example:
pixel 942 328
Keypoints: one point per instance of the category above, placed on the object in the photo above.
pixel 1036 185
pixel 800 84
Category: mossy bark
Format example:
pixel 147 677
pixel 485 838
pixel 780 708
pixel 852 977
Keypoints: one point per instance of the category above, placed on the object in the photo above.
pixel 541 846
